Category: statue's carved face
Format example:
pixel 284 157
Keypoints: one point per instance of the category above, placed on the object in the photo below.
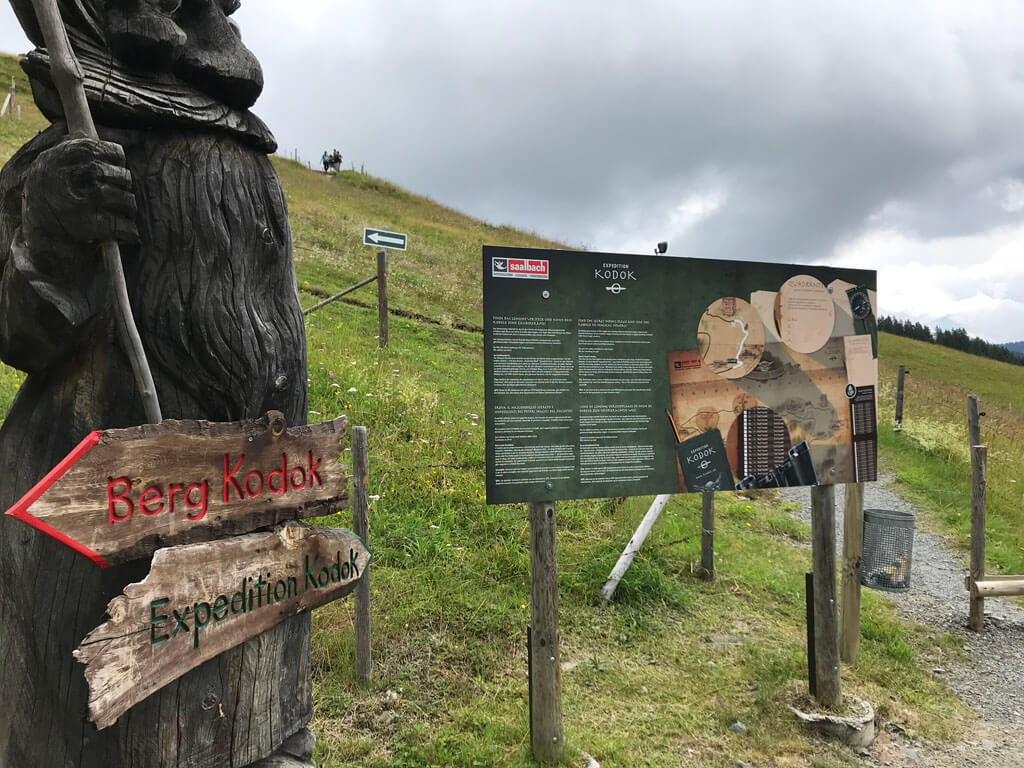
pixel 194 39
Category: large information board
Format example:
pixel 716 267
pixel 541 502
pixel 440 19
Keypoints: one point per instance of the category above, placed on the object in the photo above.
pixel 623 375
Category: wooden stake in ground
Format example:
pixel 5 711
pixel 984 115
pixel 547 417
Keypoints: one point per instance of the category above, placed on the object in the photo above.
pixel 707 536
pixel 68 78
pixel 826 629
pixel 546 704
pixel 979 464
pixel 633 547
pixel 361 528
pixel 853 544
pixel 382 296
pixel 899 397
pixel 973 422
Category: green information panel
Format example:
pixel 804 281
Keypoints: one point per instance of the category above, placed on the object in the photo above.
pixel 622 375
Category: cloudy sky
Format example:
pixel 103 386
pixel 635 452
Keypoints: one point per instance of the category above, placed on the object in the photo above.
pixel 881 135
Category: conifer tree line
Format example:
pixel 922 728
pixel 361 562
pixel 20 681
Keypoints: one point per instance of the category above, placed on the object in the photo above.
pixel 955 339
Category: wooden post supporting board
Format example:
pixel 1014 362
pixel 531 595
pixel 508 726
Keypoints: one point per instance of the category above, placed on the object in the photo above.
pixel 853 544
pixel 979 462
pixel 361 528
pixel 812 669
pixel 545 675
pixel 826 634
pixel 707 536
pixel 630 552
pixel 382 296
pixel 973 422
pixel 899 397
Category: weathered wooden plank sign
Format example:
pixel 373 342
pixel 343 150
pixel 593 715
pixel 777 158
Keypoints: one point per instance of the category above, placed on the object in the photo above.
pixel 124 493
pixel 200 600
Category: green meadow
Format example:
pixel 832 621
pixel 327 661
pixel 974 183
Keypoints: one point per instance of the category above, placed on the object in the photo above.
pixel 930 456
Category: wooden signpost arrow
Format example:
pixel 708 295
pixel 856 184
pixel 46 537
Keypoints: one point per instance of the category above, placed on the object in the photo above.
pixel 122 494
pixel 200 600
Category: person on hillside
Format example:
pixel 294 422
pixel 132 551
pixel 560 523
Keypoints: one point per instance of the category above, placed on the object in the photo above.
pixel 326 161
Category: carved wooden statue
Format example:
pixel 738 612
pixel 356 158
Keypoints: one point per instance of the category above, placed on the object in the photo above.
pixel 182 180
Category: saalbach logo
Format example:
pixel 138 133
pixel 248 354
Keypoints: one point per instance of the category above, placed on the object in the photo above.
pixel 529 269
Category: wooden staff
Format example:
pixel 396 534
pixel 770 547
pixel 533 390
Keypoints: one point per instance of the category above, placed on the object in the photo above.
pixel 69 80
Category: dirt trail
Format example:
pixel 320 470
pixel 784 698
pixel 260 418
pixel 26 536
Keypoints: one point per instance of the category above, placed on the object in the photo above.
pixel 991 679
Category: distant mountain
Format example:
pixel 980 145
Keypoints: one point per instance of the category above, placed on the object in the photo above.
pixel 1015 346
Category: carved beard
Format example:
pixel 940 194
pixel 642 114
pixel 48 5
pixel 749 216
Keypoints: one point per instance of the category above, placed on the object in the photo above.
pixel 213 285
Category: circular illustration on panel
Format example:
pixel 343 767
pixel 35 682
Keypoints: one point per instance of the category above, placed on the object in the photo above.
pixel 730 337
pixel 804 313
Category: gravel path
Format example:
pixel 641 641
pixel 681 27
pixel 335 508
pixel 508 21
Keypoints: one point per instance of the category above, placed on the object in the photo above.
pixel 991 680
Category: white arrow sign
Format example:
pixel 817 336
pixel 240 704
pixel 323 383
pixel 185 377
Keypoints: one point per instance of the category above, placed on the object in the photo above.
pixel 396 240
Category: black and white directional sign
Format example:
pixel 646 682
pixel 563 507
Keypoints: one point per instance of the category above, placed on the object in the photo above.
pixel 384 239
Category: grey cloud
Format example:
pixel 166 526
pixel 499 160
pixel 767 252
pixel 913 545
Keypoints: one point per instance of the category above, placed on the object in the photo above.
pixel 591 123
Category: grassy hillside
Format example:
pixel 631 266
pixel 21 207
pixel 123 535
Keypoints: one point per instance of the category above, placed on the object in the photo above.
pixel 15 132
pixel 930 456
pixel 438 277
pixel 655 679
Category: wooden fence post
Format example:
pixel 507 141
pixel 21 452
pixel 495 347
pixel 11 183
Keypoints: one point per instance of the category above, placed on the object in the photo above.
pixel 826 629
pixel 853 544
pixel 899 397
pixel 979 461
pixel 361 528
pixel 545 675
pixel 707 536
pixel 382 296
pixel 973 422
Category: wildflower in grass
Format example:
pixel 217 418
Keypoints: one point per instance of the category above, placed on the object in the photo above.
pixel 748 506
pixel 352 389
pixel 330 375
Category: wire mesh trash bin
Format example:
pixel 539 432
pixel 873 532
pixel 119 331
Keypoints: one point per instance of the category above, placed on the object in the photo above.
pixel 888 550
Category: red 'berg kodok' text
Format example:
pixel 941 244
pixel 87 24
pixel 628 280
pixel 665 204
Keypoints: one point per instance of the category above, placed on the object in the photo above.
pixel 238 483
